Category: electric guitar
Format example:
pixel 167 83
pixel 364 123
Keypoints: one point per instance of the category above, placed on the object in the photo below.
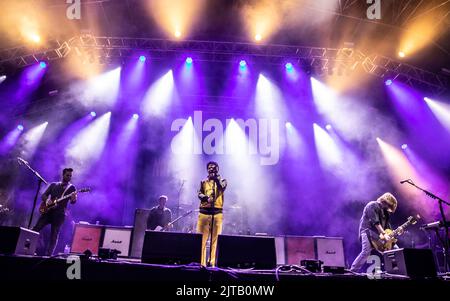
pixel 165 228
pixel 382 245
pixel 50 204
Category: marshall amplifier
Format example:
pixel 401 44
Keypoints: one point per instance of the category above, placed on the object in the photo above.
pixel 86 237
pixel 299 248
pixel 118 238
pixel 330 250
pixel 17 241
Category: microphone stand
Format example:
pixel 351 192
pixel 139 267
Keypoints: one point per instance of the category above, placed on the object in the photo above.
pixel 211 230
pixel 441 210
pixel 178 199
pixel 40 181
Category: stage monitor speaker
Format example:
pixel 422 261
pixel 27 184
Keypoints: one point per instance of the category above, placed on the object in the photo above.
pixel 17 241
pixel 86 237
pixel 118 238
pixel 415 263
pixel 140 225
pixel 171 247
pixel 299 248
pixel 246 252
pixel 330 250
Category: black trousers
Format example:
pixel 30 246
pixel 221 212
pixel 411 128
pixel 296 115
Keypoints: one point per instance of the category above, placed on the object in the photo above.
pixel 56 220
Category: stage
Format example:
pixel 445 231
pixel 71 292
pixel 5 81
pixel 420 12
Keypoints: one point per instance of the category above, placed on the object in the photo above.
pixel 57 268
pixel 275 139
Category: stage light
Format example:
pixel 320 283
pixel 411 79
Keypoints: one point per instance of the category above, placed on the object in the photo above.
pixel 269 99
pixel 401 54
pixel 43 64
pixel 440 110
pixel 20 127
pixel 2 78
pixel 288 125
pixel 328 151
pixel 35 38
pixel 81 152
pixel 404 146
pixel 258 37
pixel 159 96
pixel 135 116
pixel 103 88
pixel 32 138
pixel 142 58
pixel 388 82
pixel 93 114
pixel 189 61
pixel 328 127
pixel 242 64
pixel 177 34
pixel 289 66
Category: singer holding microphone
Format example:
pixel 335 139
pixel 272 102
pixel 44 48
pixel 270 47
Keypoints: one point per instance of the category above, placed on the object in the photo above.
pixel 210 218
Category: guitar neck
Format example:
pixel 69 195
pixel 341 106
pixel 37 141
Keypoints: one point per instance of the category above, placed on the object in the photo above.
pixel 404 225
pixel 180 217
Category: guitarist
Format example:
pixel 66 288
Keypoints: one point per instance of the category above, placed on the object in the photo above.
pixel 375 218
pixel 55 216
pixel 159 215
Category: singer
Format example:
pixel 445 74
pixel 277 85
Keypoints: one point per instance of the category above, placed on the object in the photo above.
pixel 210 218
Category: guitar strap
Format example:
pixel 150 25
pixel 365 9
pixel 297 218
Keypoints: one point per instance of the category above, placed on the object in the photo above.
pixel 67 188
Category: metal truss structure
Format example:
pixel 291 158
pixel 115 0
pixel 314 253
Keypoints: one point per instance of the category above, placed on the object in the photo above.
pixel 395 13
pixel 316 60
pixel 417 78
pixel 23 56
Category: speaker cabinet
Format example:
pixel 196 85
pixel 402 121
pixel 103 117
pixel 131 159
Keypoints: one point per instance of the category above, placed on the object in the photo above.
pixel 118 238
pixel 86 237
pixel 246 252
pixel 330 250
pixel 280 250
pixel 299 248
pixel 17 241
pixel 415 263
pixel 171 247
pixel 140 225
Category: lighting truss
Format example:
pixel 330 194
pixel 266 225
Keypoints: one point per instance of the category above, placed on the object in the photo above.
pixel 317 60
pixel 23 56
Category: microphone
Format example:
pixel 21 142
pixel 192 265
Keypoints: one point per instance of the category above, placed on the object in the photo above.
pixel 22 161
pixel 431 225
pixel 405 181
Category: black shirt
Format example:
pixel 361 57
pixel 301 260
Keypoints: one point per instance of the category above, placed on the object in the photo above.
pixel 158 217
pixel 373 215
pixel 56 190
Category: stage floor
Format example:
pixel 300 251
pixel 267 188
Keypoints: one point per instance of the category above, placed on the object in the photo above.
pixel 109 279
pixel 93 269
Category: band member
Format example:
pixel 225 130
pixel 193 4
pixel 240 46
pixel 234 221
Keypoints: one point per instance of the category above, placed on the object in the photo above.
pixel 55 216
pixel 160 216
pixel 375 219
pixel 211 195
